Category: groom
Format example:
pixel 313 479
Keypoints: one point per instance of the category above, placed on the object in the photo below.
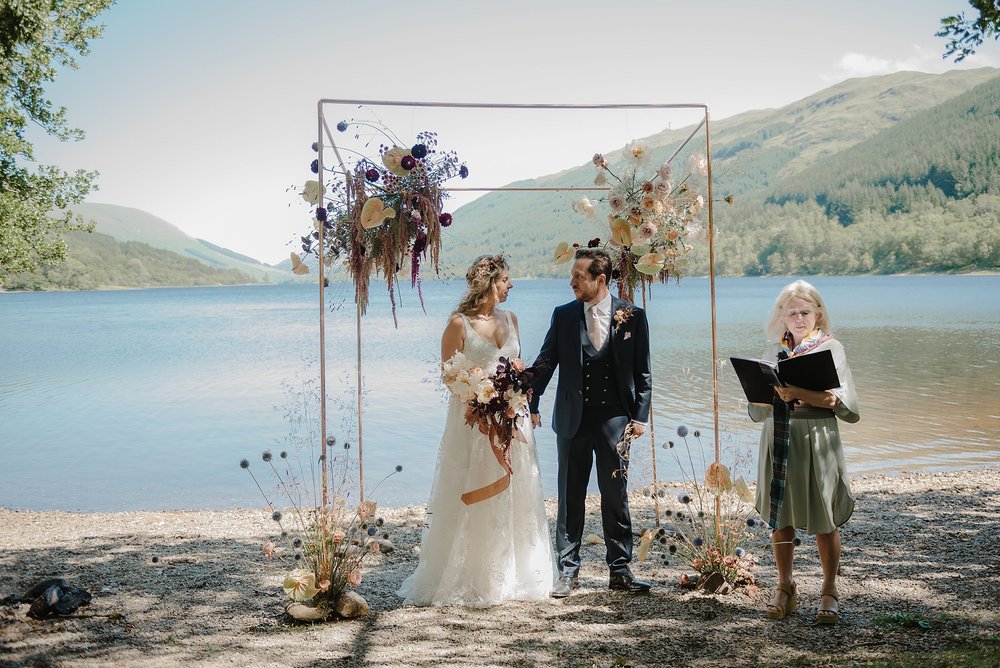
pixel 601 345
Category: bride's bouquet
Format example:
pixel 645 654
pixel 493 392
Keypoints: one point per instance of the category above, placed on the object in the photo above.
pixel 494 402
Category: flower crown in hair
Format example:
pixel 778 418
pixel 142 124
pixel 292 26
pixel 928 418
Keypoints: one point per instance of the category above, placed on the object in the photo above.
pixel 489 266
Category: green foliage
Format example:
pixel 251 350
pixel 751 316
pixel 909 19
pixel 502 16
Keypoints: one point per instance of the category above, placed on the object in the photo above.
pixel 97 261
pixel 965 35
pixel 36 38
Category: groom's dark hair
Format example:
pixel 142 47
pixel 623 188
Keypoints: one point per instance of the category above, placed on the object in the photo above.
pixel 600 262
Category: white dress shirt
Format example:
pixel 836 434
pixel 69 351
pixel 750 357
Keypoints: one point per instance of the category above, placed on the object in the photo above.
pixel 599 320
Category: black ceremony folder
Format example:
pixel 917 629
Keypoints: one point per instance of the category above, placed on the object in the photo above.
pixel 815 371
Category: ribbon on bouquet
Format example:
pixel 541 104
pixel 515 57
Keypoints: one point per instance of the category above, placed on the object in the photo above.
pixel 495 430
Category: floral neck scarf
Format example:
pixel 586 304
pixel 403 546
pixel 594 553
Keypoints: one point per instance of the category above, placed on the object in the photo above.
pixel 813 339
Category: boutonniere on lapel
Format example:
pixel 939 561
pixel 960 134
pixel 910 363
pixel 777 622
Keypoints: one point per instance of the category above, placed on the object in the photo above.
pixel 621 317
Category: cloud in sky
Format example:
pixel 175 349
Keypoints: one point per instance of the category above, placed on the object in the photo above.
pixel 921 59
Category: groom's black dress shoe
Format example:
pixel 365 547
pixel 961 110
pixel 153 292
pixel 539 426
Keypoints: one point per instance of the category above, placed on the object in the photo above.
pixel 563 587
pixel 625 582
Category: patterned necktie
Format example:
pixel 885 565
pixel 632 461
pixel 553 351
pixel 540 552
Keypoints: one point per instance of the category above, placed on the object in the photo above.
pixel 594 327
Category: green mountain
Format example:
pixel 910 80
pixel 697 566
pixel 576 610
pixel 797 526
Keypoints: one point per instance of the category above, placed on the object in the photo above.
pixel 128 224
pixel 887 174
pixel 131 248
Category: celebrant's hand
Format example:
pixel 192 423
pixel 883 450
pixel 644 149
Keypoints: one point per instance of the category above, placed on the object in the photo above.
pixel 536 420
pixel 638 428
pixel 788 393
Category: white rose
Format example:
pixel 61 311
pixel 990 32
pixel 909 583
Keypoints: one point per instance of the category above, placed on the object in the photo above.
pixel 486 392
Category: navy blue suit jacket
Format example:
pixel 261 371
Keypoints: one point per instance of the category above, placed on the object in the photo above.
pixel 563 348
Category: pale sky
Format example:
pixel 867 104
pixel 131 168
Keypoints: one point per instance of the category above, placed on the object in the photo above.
pixel 202 112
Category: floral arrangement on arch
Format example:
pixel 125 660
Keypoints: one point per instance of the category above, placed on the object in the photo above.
pixel 652 222
pixel 713 527
pixel 384 213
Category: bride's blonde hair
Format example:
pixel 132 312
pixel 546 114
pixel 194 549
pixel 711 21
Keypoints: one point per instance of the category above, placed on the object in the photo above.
pixel 481 280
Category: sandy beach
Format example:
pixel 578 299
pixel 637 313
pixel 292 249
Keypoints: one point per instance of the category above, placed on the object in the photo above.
pixel 920 573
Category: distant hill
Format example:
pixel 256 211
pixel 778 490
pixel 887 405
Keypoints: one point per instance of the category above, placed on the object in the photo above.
pixel 782 166
pixel 128 224
pixel 131 248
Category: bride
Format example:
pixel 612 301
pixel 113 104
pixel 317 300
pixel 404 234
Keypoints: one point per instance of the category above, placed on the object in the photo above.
pixel 480 551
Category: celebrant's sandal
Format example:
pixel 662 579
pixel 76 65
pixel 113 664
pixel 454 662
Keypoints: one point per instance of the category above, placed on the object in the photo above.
pixel 829 615
pixel 775 611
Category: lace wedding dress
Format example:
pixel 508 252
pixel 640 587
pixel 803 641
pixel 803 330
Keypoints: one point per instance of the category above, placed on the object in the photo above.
pixel 495 550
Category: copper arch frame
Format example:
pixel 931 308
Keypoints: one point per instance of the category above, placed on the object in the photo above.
pixel 323 131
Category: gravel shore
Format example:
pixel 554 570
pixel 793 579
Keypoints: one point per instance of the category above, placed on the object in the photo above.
pixel 920 572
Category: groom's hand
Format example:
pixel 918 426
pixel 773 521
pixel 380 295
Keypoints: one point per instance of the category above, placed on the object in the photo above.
pixel 638 428
pixel 536 420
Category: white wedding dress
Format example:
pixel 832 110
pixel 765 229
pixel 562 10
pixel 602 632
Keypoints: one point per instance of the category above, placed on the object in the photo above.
pixel 495 550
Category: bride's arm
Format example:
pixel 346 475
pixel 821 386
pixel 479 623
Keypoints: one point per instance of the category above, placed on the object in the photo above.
pixel 453 339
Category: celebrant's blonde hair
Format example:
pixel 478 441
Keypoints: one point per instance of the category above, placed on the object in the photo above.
pixel 481 280
pixel 805 291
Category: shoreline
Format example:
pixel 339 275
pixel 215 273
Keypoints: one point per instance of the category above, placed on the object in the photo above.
pixel 978 272
pixel 192 587
pixel 859 478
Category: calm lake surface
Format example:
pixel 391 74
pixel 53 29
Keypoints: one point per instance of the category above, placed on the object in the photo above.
pixel 148 399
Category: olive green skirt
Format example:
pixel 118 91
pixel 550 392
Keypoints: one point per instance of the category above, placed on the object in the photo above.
pixel 817 491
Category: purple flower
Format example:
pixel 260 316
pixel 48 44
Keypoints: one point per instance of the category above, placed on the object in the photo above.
pixel 399 468
pixel 244 463
pixel 276 516
pixel 751 522
pixel 314 166
pixel 266 456
pixel 699 541
pixel 463 171
pixel 419 151
pixel 739 552
pixel 342 126
pixel 407 162
pixel 684 497
pixel 445 219
pixel 372 531
pixel 372 175
pixel 321 214
pixel 682 431
pixel 315 147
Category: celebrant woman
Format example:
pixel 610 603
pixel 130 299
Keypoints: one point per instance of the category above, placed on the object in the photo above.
pixel 487 536
pixel 802 478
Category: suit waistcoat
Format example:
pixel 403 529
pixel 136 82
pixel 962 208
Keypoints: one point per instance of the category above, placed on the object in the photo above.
pixel 600 382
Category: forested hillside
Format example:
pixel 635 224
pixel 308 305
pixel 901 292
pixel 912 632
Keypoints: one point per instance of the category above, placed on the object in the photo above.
pixel 897 173
pixel 98 261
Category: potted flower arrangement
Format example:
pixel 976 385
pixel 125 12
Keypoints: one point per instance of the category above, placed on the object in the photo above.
pixel 712 526
pixel 322 539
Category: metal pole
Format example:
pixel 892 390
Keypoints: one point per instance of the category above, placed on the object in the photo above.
pixel 361 458
pixel 322 311
pixel 715 350
pixel 652 442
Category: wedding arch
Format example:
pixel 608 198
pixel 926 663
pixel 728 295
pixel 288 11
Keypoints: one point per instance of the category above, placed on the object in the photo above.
pixel 326 141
